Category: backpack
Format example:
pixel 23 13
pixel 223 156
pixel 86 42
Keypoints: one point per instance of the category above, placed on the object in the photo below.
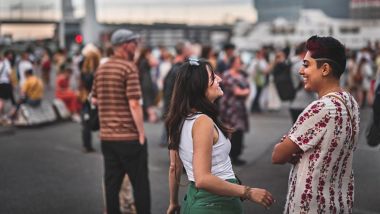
pixel 283 81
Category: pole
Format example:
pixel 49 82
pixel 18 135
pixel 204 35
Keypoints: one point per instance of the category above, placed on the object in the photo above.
pixel 61 30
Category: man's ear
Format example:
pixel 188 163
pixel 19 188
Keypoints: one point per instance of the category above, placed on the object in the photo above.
pixel 326 69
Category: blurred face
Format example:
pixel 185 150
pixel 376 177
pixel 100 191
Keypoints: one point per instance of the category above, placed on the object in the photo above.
pixel 213 91
pixel 130 48
pixel 280 57
pixel 312 75
pixel 187 50
pixel 237 63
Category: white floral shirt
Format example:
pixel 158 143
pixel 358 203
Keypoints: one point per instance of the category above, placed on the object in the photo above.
pixel 323 181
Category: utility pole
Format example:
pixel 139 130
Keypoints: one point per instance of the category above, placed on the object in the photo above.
pixel 90 27
pixel 61 31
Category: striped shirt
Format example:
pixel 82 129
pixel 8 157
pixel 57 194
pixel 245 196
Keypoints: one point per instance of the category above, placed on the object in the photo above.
pixel 116 81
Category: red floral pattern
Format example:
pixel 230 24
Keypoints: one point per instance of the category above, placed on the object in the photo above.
pixel 322 181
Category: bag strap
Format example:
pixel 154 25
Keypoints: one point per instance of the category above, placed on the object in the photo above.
pixel 345 105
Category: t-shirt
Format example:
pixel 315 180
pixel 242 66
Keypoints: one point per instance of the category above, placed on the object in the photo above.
pixel 323 180
pixel 5 71
pixel 116 81
pixel 33 88
pixel 23 66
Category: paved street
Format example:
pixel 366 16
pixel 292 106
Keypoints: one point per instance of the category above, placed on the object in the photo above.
pixel 44 171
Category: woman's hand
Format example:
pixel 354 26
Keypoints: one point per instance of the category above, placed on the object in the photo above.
pixel 173 209
pixel 261 196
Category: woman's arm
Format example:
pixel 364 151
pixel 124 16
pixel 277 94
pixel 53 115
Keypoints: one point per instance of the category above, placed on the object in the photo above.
pixel 241 92
pixel 285 151
pixel 203 140
pixel 174 179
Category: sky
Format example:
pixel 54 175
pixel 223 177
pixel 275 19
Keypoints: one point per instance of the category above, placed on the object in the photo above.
pixel 198 12
pixel 139 11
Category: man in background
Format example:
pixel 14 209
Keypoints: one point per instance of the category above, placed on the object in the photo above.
pixel 117 93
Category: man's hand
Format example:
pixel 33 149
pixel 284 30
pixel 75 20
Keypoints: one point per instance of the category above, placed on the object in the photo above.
pixel 142 139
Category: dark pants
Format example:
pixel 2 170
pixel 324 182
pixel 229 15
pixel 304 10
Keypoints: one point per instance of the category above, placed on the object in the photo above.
pixel 256 105
pixel 86 127
pixel 126 157
pixel 6 92
pixel 376 106
pixel 236 144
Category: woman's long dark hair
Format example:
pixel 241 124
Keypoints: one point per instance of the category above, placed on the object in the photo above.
pixel 189 97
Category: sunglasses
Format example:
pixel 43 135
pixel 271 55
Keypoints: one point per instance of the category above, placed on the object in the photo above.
pixel 193 61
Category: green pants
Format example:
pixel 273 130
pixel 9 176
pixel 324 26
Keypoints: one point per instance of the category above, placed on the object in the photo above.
pixel 199 201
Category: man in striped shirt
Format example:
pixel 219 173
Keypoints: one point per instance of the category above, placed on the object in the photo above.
pixel 116 91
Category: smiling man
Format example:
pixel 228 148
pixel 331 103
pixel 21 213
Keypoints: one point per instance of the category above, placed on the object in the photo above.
pixel 321 143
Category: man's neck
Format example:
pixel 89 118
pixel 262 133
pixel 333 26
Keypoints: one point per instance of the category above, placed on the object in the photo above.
pixel 121 55
pixel 179 58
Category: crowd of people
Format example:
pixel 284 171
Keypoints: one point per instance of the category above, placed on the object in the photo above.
pixel 205 98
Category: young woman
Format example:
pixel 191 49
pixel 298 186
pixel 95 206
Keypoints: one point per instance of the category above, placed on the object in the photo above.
pixel 199 142
pixel 232 107
pixel 322 141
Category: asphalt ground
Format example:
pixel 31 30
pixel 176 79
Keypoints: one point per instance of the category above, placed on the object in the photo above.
pixel 43 169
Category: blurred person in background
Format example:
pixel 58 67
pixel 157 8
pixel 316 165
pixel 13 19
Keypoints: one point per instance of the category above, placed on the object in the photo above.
pixel 164 66
pixel 117 93
pixel 377 77
pixel 376 107
pixel 145 64
pixel 351 69
pixel 32 92
pixel 108 54
pixel 66 94
pixel 183 51
pixel 59 59
pixel 10 56
pixel 6 87
pixel 91 59
pixel 232 107
pixel 223 63
pixel 198 141
pixel 208 53
pixel 321 144
pixel 259 70
pixel 23 65
pixel 282 76
pixel 363 77
pixel 46 68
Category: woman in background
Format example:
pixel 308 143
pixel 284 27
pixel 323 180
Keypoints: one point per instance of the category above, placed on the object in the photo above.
pixel 232 107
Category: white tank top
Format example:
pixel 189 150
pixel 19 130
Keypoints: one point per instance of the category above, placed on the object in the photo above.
pixel 221 164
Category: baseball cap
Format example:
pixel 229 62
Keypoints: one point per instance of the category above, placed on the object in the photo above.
pixel 121 36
